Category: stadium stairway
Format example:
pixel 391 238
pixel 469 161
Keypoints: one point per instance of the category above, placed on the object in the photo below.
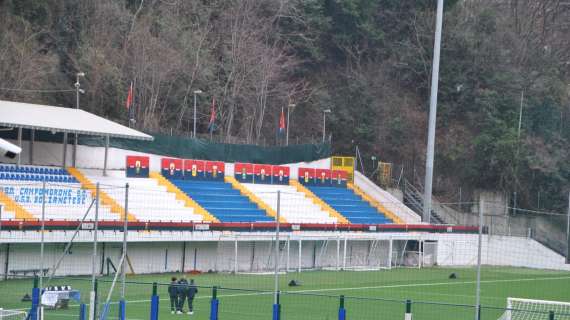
pixel 316 200
pixel 295 206
pixel 148 200
pixel 222 200
pixel 105 199
pixel 269 210
pixel 375 204
pixel 65 199
pixel 351 205
pixel 12 210
pixel 180 195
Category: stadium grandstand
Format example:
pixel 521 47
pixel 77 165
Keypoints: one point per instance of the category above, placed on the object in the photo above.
pixel 75 217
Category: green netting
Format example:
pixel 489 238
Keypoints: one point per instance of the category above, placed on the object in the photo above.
pixel 183 147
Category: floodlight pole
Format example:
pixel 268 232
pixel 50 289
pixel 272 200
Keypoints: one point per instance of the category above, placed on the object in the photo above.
pixel 76 136
pixel 479 249
pixel 277 225
pixel 432 113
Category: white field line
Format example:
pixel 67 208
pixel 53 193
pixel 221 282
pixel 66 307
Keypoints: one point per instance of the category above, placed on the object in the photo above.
pixel 372 287
pixel 410 285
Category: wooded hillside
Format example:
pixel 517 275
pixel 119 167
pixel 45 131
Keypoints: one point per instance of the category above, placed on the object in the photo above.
pixel 367 60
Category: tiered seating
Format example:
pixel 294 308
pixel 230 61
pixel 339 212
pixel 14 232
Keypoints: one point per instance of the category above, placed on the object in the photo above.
pixel 221 200
pixel 34 173
pixel 294 206
pixel 350 205
pixel 64 199
pixel 148 201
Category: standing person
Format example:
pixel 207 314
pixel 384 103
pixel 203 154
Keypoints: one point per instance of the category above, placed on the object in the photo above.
pixel 192 292
pixel 173 294
pixel 182 292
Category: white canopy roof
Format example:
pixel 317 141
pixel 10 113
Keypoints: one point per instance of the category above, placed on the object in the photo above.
pixel 58 119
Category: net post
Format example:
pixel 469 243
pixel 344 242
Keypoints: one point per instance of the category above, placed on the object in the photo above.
pixel 214 304
pixel 82 312
pixel 408 315
pixel 276 307
pixel 341 309
pixel 122 309
pixel 154 299
pixel 33 315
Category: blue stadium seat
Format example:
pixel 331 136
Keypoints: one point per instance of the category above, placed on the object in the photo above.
pixel 223 201
pixel 350 205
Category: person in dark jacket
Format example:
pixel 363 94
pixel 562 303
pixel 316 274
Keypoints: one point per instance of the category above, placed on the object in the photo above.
pixel 182 294
pixel 173 294
pixel 191 293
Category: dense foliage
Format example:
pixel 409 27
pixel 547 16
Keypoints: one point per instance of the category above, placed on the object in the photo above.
pixel 367 60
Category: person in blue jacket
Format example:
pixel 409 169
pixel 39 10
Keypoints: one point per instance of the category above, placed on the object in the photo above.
pixel 173 294
pixel 191 292
pixel 182 294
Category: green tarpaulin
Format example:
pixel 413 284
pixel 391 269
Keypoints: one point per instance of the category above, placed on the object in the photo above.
pixel 187 148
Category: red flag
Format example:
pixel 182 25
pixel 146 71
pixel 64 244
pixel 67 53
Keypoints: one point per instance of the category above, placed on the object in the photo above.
pixel 130 97
pixel 282 122
pixel 212 115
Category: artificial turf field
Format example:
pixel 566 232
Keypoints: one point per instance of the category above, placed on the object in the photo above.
pixel 369 294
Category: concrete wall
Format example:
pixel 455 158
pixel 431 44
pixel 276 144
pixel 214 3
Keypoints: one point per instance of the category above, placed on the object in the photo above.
pixel 257 255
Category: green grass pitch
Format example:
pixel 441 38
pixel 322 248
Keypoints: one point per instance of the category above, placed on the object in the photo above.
pixel 369 294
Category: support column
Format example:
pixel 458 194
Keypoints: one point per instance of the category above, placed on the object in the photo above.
pixel 183 266
pixel 64 161
pixel 32 138
pixel 106 155
pixel 20 145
